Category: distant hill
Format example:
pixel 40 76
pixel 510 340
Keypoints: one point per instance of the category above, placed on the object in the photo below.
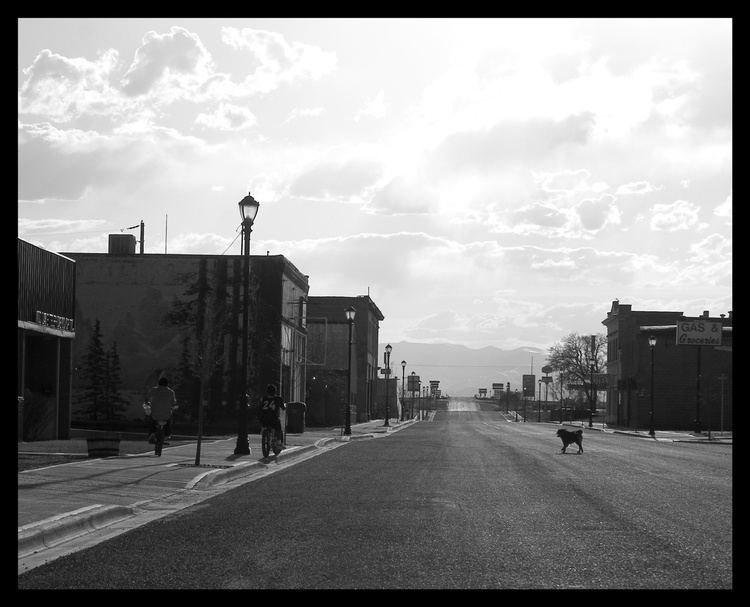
pixel 461 371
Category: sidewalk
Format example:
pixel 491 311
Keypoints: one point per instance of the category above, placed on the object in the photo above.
pixel 660 435
pixel 58 503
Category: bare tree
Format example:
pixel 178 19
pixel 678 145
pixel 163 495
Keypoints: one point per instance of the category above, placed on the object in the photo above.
pixel 578 358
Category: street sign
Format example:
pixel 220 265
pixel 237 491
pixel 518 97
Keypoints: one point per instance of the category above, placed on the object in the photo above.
pixel 386 371
pixel 546 379
pixel 698 332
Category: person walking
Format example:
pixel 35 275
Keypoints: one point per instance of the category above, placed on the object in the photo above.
pixel 162 402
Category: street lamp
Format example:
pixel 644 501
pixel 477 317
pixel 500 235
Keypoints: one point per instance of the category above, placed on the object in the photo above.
pixel 403 378
pixel 413 379
pixel 350 311
pixel 507 396
pixel 592 409
pixel 539 402
pixel 248 210
pixel 388 349
pixel 652 343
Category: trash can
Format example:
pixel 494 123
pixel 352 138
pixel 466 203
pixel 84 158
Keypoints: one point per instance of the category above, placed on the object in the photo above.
pixel 295 417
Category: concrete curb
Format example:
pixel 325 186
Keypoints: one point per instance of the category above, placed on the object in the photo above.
pixel 64 527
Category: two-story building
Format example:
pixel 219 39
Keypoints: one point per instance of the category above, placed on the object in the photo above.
pixel 328 364
pixel 691 378
pixel 181 315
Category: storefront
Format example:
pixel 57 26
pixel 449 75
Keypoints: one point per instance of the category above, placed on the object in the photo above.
pixel 46 329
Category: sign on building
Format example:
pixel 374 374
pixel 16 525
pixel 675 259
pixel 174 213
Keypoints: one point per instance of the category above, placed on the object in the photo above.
pixel 698 332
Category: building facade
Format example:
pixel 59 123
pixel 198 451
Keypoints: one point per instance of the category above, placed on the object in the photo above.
pixel 328 364
pixel 181 316
pixel 692 384
pixel 46 334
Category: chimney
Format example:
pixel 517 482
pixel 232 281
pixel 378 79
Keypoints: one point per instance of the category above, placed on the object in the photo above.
pixel 705 313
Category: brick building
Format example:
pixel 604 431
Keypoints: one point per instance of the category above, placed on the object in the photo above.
pixel 181 315
pixel 692 384
pixel 327 359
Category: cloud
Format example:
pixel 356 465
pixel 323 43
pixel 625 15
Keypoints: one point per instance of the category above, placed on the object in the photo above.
pixel 228 117
pixel 178 57
pixel 725 210
pixel 278 61
pixel 341 179
pixel 303 113
pixel 510 143
pixel 375 108
pixel 679 215
pixel 64 164
pixel 636 188
pixel 62 89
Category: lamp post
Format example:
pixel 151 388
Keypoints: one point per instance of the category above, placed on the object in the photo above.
pixel 593 399
pixel 403 378
pixel 350 311
pixel 652 434
pixel 539 402
pixel 411 410
pixel 388 349
pixel 248 210
pixel 507 396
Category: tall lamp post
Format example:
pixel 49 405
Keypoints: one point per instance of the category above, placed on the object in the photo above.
pixel 403 378
pixel 388 349
pixel 413 378
pixel 350 311
pixel 539 402
pixel 248 210
pixel 593 399
pixel 651 343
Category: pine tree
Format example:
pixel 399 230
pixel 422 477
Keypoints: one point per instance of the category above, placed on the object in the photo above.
pixel 94 376
pixel 116 405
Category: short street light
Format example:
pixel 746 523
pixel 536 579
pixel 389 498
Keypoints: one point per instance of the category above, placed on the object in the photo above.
pixel 248 210
pixel 350 312
pixel 388 349
pixel 652 343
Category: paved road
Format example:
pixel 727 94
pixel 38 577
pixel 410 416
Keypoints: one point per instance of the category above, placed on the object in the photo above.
pixel 468 500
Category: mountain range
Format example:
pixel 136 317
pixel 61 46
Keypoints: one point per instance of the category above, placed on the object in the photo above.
pixel 462 371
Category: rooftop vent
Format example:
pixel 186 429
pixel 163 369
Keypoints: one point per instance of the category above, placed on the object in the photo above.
pixel 121 244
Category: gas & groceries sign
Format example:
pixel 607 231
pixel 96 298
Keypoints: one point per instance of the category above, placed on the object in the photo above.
pixel 698 332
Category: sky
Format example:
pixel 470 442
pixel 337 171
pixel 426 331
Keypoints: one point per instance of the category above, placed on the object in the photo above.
pixel 486 181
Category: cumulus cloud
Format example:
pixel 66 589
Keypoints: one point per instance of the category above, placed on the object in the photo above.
pixel 228 117
pixel 725 209
pixel 277 60
pixel 178 56
pixel 62 89
pixel 679 215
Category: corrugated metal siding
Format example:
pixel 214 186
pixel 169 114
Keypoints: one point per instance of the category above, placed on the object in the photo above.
pixel 46 282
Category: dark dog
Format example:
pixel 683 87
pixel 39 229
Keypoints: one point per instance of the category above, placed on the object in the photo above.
pixel 569 436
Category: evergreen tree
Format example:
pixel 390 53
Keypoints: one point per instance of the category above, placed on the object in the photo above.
pixel 116 405
pixel 94 375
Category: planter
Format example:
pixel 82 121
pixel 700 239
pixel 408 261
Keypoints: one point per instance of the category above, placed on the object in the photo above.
pixel 104 445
